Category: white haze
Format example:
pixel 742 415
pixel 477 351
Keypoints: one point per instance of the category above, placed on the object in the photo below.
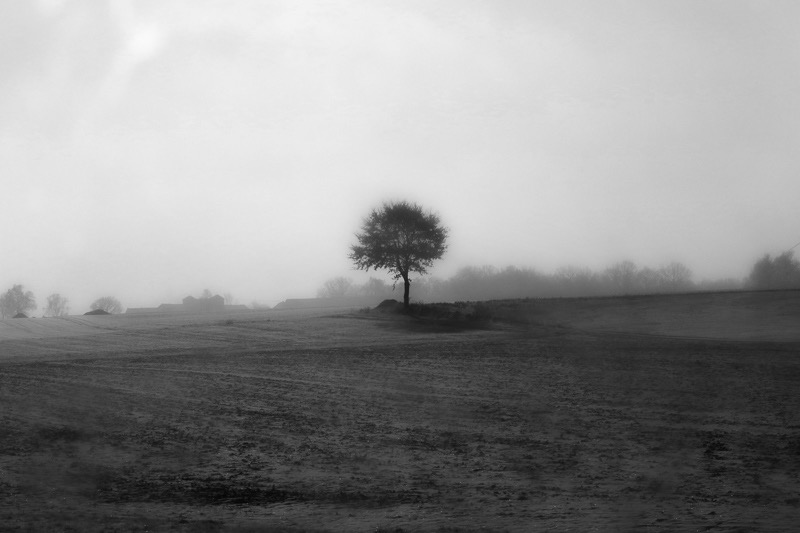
pixel 152 149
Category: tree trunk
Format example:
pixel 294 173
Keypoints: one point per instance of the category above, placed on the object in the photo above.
pixel 406 288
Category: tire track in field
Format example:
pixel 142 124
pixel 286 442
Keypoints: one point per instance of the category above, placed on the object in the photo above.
pixel 94 384
pixel 375 386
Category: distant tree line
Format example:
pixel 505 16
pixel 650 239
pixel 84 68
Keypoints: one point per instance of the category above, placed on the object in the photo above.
pixel 342 287
pixel 18 302
pixel 779 272
pixel 488 283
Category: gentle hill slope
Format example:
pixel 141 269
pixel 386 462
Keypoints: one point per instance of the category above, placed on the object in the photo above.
pixel 757 315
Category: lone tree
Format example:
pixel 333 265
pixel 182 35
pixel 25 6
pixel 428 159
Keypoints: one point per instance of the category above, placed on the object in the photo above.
pixel 57 305
pixel 16 300
pixel 108 304
pixel 401 238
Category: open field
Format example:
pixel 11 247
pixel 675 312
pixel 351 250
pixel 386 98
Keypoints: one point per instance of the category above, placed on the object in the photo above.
pixel 670 413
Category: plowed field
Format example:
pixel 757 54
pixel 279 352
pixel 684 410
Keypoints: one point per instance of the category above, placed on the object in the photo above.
pixel 594 417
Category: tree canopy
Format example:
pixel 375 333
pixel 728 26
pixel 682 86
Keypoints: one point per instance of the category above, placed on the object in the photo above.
pixel 57 305
pixel 401 238
pixel 16 300
pixel 108 304
pixel 336 288
pixel 780 272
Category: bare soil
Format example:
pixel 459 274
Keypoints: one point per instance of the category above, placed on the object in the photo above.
pixel 639 414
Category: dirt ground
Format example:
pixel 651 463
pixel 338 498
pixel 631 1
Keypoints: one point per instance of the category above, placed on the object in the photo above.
pixel 366 422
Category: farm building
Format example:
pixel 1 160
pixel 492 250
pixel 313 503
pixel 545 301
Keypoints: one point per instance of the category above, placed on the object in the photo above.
pixel 190 304
pixel 204 305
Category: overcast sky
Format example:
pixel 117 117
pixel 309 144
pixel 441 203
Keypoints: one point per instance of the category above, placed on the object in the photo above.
pixel 151 149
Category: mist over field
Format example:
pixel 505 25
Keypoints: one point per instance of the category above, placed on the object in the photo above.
pixel 603 197
pixel 154 149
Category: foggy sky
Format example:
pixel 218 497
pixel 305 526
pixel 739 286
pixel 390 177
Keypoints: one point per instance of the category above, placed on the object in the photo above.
pixel 152 149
